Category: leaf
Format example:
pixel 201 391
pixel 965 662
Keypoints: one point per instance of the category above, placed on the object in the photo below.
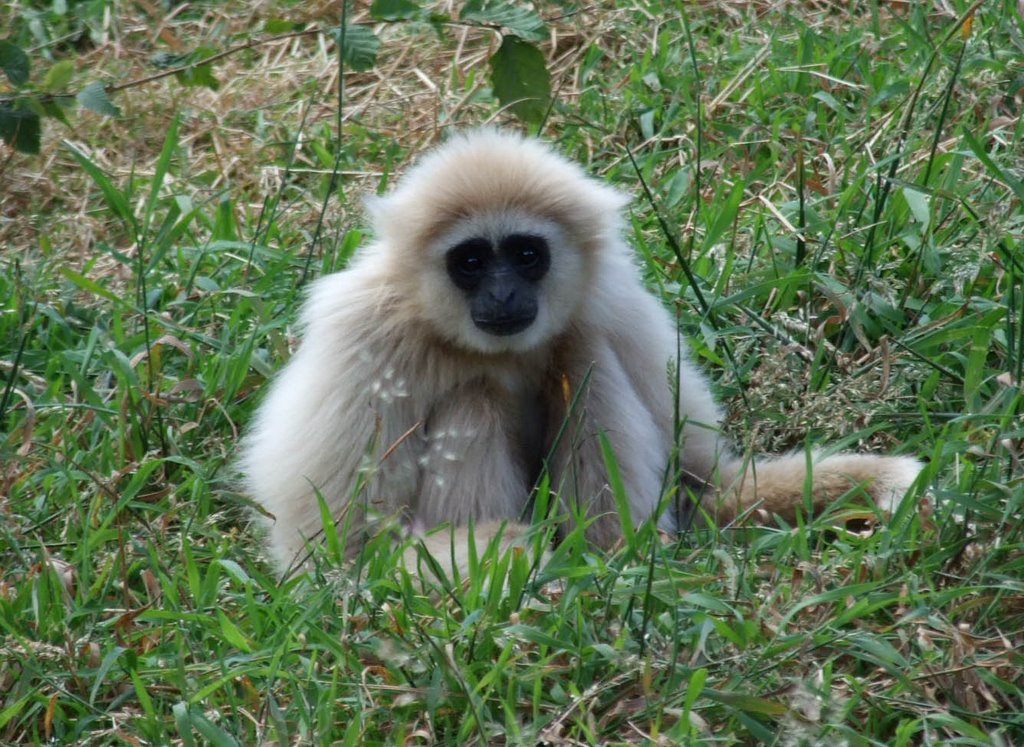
pixel 394 10
pixel 94 98
pixel 89 285
pixel 747 703
pixel 995 169
pixel 115 200
pixel 211 732
pixel 197 72
pixel 697 680
pixel 198 76
pixel 520 79
pixel 58 76
pixel 20 129
pixel 919 204
pixel 282 26
pixel 184 724
pixel 163 165
pixel 14 63
pixel 235 571
pixel 104 667
pixel 359 47
pixel 539 637
pixel 167 60
pixel 618 489
pixel 523 22
pixel 14 708
pixel 231 633
pixel 55 108
pixel 726 215
pixel 678 186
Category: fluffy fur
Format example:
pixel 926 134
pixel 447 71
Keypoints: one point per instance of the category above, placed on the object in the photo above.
pixel 396 403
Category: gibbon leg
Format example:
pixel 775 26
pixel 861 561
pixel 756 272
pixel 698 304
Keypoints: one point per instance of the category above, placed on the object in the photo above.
pixel 449 546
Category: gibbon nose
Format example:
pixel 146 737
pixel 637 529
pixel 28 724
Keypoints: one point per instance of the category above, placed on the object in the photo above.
pixel 503 298
pixel 502 289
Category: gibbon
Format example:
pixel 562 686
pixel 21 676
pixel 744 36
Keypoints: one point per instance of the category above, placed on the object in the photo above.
pixel 498 327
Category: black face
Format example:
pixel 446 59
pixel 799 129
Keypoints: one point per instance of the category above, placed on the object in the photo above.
pixel 500 282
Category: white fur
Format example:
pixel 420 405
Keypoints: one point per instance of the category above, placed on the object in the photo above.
pixel 396 403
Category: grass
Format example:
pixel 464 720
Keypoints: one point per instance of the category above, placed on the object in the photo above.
pixel 830 195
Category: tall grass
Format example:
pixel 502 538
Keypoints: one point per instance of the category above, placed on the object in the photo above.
pixel 831 199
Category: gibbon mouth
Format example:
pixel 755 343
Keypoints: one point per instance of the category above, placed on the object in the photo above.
pixel 503 327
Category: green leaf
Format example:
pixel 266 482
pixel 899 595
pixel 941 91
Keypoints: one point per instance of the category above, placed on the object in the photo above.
pixel 235 571
pixel 163 165
pixel 198 76
pixel 101 673
pixel 975 369
pixel 231 633
pixel 359 47
pixel 89 285
pixel 115 199
pixel 54 108
pixel 183 722
pixel 995 169
pixel 919 204
pixel 142 694
pixel 520 79
pixel 94 98
pixel 747 703
pixel 20 129
pixel 211 732
pixel 14 63
pixel 14 708
pixel 697 680
pixel 725 215
pixel 58 76
pixel 167 60
pixel 523 22
pixel 282 26
pixel 394 10
pixel 539 637
pixel 618 488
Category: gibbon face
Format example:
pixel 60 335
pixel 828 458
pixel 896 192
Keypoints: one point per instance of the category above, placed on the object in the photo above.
pixel 503 282
pixel 499 277
pixel 506 234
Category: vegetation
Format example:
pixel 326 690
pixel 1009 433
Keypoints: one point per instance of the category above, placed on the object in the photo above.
pixel 831 196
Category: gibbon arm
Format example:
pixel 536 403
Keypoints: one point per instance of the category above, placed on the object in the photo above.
pixel 620 362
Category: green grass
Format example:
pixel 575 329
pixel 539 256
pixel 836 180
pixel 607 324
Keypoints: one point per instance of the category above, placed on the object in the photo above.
pixel 840 203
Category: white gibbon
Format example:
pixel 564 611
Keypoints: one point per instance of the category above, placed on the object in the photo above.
pixel 498 327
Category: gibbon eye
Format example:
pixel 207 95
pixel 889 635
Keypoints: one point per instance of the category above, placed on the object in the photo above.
pixel 528 253
pixel 527 257
pixel 467 262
